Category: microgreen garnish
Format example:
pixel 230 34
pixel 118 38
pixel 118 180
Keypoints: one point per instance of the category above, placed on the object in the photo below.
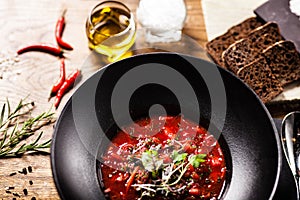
pixel 151 161
pixel 178 157
pixel 196 160
pixel 171 173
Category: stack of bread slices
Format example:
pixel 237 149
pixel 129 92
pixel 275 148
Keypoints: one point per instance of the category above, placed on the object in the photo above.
pixel 258 54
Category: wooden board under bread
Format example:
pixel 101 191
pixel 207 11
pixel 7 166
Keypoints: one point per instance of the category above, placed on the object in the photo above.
pixel 219 16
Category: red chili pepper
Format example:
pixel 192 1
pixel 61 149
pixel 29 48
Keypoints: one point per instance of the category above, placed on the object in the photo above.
pixel 68 83
pixel 56 51
pixel 59 28
pixel 61 79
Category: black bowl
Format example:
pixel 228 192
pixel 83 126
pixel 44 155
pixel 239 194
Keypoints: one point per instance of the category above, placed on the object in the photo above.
pixel 127 89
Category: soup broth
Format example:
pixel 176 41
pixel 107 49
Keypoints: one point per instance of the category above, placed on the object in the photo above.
pixel 181 160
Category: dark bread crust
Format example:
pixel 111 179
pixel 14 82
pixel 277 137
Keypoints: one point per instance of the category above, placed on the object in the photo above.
pixel 243 29
pixel 247 50
pixel 216 46
pixel 258 76
pixel 284 61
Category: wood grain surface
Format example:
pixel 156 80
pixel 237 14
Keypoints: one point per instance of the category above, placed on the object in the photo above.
pixel 29 22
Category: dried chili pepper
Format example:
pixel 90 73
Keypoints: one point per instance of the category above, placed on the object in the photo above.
pixel 56 51
pixel 59 28
pixel 61 79
pixel 68 83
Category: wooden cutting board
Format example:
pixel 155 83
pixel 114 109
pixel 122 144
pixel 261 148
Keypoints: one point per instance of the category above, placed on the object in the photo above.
pixel 219 16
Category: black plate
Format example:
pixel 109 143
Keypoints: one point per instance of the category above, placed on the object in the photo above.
pixel 254 154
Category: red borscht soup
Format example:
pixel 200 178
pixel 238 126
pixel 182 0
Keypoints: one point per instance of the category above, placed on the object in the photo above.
pixel 180 161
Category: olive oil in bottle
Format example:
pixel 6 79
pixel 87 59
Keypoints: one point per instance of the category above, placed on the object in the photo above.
pixel 111 31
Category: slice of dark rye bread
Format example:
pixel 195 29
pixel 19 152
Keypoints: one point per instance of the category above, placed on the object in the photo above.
pixel 216 46
pixel 284 61
pixel 258 76
pixel 247 50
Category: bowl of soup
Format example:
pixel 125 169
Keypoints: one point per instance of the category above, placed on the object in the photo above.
pixel 165 126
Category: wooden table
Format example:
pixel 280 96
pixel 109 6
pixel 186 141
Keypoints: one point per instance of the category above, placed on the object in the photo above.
pixel 28 22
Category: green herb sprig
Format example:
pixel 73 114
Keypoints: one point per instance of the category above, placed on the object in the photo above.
pixel 171 172
pixel 17 125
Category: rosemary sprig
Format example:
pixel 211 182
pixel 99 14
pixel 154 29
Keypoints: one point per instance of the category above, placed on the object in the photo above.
pixel 17 125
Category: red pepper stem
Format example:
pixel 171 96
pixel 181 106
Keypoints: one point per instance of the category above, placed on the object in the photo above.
pixel 63 13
